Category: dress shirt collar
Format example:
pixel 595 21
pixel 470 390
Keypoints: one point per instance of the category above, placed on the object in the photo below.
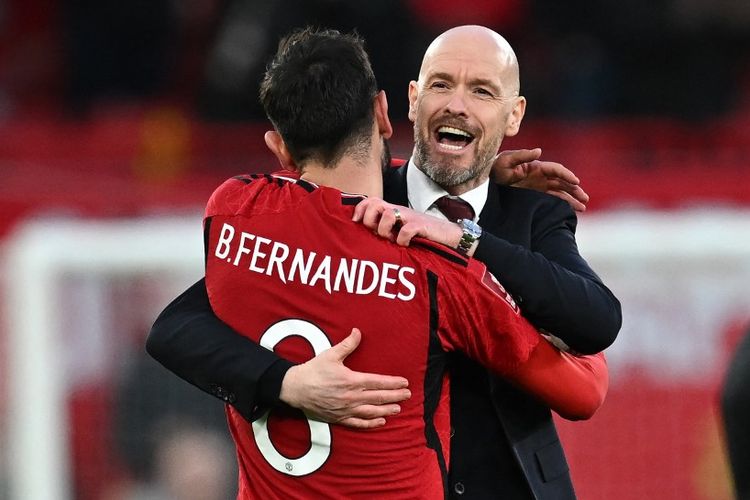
pixel 423 192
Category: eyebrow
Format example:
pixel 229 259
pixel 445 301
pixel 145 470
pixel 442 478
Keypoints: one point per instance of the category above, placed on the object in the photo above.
pixel 486 83
pixel 476 81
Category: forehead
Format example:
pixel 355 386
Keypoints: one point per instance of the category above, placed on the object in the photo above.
pixel 478 60
pixel 457 63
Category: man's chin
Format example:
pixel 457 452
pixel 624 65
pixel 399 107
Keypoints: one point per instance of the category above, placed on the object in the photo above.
pixel 447 173
pixel 452 164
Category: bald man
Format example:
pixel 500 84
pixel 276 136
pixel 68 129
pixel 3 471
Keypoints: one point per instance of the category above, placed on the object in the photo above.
pixel 465 101
pixel 504 443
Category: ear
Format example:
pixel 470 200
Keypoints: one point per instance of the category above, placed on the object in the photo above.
pixel 381 115
pixel 413 94
pixel 275 143
pixel 515 117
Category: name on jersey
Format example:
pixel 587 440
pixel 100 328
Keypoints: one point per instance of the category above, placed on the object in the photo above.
pixel 274 258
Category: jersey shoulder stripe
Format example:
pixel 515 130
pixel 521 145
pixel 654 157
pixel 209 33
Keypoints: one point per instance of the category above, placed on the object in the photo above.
pixel 443 251
pixel 350 200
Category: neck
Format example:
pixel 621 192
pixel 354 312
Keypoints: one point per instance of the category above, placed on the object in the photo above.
pixel 348 175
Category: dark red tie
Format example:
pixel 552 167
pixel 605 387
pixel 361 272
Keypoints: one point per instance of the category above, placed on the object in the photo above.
pixel 455 208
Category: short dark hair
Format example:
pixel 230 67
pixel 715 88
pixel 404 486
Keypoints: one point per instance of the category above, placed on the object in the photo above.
pixel 318 92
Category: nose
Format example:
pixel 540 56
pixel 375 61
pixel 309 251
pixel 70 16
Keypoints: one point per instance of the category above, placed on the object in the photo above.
pixel 456 105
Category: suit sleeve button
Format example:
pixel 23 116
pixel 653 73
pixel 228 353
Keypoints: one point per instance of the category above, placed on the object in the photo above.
pixel 459 488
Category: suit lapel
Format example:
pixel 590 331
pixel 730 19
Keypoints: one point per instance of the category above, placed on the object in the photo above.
pixel 491 215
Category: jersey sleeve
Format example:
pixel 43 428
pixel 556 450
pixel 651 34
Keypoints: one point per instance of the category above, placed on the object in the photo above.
pixel 480 318
pixel 574 386
pixel 551 277
pixel 228 197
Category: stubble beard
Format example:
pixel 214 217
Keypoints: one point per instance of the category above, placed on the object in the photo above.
pixel 445 171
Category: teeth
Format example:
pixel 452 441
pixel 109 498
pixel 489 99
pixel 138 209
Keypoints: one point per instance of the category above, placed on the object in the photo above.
pixel 454 131
pixel 450 146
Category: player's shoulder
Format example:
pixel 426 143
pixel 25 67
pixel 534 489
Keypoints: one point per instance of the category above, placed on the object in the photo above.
pixel 247 189
pixel 447 262
pixel 440 254
pixel 228 196
pixel 461 274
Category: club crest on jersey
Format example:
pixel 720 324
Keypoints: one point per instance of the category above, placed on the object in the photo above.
pixel 491 282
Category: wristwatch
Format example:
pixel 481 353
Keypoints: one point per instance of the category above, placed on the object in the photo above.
pixel 471 233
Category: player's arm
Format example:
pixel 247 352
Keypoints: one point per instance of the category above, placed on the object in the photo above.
pixel 573 386
pixel 490 329
pixel 553 281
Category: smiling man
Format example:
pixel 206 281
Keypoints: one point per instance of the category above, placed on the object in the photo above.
pixel 465 102
pixel 463 106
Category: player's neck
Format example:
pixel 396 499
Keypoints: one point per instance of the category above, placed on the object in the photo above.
pixel 349 176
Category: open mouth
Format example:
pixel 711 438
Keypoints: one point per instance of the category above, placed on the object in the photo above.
pixel 452 138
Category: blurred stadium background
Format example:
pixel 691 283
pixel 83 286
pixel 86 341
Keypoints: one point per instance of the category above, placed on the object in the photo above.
pixel 118 119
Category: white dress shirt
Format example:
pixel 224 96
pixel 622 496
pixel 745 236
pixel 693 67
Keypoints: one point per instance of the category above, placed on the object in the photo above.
pixel 423 192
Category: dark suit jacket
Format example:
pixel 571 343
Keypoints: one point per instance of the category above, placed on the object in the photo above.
pixel 504 443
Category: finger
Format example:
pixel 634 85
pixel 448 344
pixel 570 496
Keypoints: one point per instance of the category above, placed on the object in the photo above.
pixel 552 169
pixel 560 185
pixel 347 346
pixel 361 423
pixel 374 382
pixel 579 194
pixel 371 218
pixel 513 174
pixel 576 192
pixel 387 222
pixel 406 233
pixel 574 203
pixel 359 209
pixel 382 397
pixel 365 209
pixel 516 157
pixel 366 411
pixel 509 167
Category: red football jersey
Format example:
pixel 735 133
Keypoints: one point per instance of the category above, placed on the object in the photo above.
pixel 287 267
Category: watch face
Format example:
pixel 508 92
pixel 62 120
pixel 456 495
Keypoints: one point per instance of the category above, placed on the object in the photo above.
pixel 471 227
pixel 471 232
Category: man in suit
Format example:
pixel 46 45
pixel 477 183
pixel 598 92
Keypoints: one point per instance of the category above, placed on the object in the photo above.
pixel 505 444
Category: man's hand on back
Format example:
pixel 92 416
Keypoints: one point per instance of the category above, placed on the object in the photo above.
pixel 329 391
pixel 522 168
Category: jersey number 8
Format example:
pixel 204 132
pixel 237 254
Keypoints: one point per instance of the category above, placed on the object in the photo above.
pixel 320 432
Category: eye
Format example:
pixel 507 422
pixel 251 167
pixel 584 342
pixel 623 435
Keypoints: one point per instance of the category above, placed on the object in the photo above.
pixel 483 92
pixel 439 85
